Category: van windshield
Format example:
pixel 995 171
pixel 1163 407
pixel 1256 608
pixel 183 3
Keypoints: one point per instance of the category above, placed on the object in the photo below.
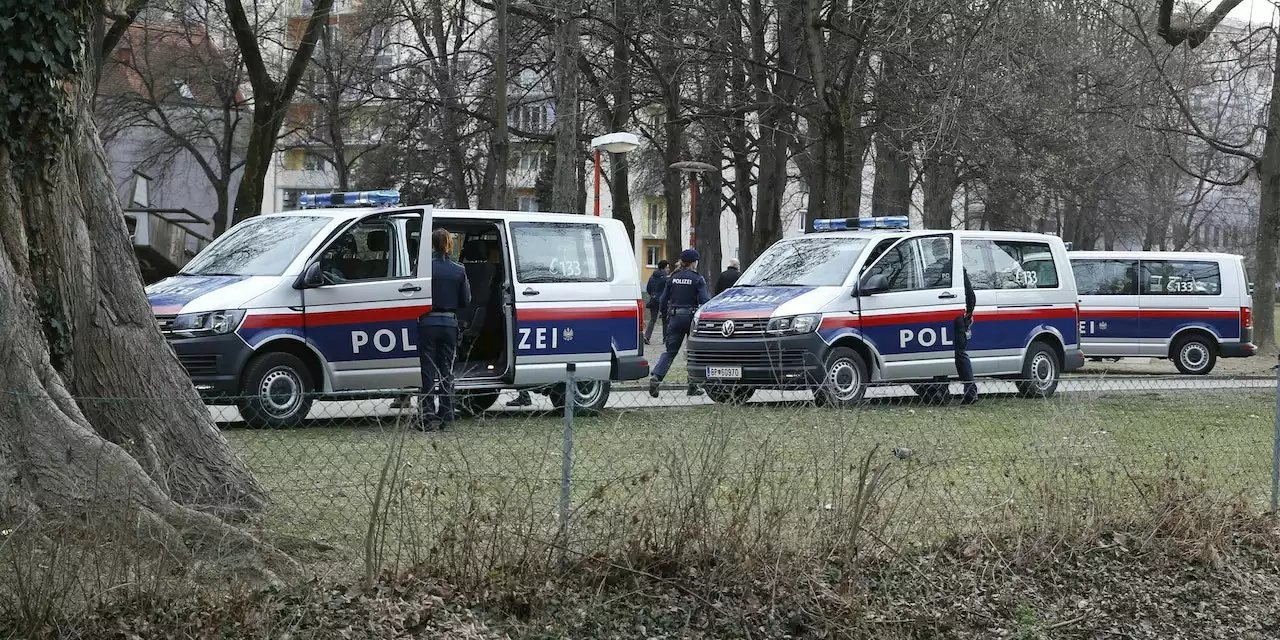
pixel 804 262
pixel 262 246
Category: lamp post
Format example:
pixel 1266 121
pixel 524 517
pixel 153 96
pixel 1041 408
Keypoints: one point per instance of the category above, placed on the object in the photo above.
pixel 693 168
pixel 619 142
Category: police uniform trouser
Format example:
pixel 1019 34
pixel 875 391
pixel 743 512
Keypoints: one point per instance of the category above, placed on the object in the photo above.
pixel 653 321
pixel 964 368
pixel 437 347
pixel 679 323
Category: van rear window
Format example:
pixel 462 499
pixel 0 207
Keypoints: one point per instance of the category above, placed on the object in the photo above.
pixel 1181 278
pixel 560 252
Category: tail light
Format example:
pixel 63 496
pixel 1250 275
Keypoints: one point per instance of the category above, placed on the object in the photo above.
pixel 640 322
pixel 1077 322
pixel 1246 318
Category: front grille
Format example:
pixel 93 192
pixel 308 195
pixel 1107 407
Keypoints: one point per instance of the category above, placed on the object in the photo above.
pixel 201 365
pixel 784 359
pixel 165 322
pixel 742 328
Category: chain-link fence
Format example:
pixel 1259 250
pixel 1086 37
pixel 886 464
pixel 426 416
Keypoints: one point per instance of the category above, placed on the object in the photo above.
pixel 527 483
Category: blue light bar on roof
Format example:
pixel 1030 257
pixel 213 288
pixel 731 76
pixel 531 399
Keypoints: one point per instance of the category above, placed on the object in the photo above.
pixel 382 198
pixel 847 224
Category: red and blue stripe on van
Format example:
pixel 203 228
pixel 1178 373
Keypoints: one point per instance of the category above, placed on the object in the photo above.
pixel 1225 324
pixel 934 330
pixel 583 328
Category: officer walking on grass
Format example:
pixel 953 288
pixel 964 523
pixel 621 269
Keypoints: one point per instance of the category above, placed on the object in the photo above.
pixel 685 292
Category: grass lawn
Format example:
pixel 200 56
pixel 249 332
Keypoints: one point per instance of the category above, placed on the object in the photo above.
pixel 769 469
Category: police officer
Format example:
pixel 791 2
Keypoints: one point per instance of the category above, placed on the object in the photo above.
pixel 656 285
pixel 438 333
pixel 963 328
pixel 685 292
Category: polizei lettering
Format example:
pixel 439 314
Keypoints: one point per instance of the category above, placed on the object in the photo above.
pixel 383 340
pixel 757 298
pixel 926 337
pixel 538 338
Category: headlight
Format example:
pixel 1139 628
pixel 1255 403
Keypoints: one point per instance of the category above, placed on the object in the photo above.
pixel 795 324
pixel 207 323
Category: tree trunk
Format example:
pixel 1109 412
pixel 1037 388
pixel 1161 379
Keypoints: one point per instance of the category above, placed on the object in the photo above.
pixel 501 137
pixel 673 183
pixel 257 162
pixel 564 182
pixel 940 183
pixel 777 123
pixel 620 119
pixel 99 416
pixel 1264 277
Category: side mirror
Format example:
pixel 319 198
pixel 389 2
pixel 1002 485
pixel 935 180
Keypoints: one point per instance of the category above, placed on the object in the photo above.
pixel 872 284
pixel 311 277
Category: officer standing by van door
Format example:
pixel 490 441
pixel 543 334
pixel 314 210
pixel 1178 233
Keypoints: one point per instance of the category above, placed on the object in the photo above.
pixel 963 329
pixel 685 292
pixel 438 333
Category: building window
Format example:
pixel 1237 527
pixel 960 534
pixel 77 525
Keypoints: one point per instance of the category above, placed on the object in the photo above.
pixel 531 161
pixel 532 118
pixel 652 255
pixel 653 220
pixel 314 162
pixel 141 190
pixel 527 203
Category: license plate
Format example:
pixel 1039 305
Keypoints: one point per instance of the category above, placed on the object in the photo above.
pixel 724 373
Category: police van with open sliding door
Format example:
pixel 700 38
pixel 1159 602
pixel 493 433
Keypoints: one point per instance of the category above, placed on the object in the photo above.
pixel 1192 308
pixel 324 302
pixel 836 310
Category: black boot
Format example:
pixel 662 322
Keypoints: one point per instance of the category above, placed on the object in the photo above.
pixel 653 387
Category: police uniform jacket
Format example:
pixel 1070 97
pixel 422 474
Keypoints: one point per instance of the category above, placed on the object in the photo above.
pixel 685 290
pixel 450 292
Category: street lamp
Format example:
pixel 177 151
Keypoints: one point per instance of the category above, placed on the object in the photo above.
pixel 619 142
pixel 692 168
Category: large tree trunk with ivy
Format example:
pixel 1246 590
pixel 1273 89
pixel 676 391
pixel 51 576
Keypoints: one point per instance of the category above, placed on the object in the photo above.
pixel 97 414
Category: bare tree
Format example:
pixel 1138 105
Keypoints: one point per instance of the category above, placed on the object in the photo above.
pixel 78 326
pixel 271 97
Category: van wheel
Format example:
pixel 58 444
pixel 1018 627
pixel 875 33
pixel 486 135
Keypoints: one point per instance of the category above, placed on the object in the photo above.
pixel 473 403
pixel 730 393
pixel 932 392
pixel 276 392
pixel 1040 372
pixel 845 379
pixel 1194 355
pixel 590 398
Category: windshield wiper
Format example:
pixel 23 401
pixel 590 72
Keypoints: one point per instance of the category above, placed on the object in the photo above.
pixel 206 273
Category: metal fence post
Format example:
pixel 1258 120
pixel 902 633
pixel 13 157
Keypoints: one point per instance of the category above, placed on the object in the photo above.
pixel 566 459
pixel 1275 450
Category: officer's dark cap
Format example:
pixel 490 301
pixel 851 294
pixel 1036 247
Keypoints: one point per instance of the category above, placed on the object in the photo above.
pixel 689 255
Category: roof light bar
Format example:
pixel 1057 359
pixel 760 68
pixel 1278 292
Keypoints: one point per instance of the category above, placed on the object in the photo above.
pixel 847 224
pixel 382 197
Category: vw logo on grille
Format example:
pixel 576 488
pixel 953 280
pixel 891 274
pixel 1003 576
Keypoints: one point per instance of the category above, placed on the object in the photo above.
pixel 726 329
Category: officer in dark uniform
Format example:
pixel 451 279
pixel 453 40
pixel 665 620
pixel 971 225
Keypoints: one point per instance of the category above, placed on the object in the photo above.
pixel 963 328
pixel 685 292
pixel 438 333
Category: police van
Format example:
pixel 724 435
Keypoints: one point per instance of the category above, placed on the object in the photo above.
pixel 324 301
pixel 1192 308
pixel 867 299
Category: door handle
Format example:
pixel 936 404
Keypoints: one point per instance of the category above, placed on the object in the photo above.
pixel 947 295
pixel 410 288
pixel 531 292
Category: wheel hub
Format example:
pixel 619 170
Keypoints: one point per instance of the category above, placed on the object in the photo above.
pixel 281 391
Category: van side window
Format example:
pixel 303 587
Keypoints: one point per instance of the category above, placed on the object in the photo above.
pixel 1106 277
pixel 1181 278
pixel 1023 265
pixel 363 252
pixel 560 252
pixel 919 263
pixel 976 256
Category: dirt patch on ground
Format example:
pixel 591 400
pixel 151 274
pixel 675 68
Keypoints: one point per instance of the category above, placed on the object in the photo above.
pixel 1114 585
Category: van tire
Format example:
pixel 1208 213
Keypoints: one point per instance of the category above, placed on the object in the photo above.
pixel 276 391
pixel 844 379
pixel 1194 355
pixel 1041 371
pixel 591 398
pixel 473 403
pixel 730 393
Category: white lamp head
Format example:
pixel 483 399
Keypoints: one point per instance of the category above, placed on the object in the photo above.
pixel 620 142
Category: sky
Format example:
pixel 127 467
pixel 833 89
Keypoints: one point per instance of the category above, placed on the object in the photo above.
pixel 1253 10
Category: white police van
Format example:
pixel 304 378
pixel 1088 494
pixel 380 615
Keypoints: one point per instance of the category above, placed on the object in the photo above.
pixel 324 302
pixel 1192 308
pixel 870 300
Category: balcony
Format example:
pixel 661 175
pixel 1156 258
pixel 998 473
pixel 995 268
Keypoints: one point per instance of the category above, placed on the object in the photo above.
pixel 165 240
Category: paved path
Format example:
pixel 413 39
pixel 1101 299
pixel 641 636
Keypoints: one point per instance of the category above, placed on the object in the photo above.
pixel 632 396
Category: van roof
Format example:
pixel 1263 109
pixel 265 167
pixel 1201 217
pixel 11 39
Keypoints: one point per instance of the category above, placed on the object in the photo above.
pixel 1155 255
pixel 348 213
pixel 900 233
